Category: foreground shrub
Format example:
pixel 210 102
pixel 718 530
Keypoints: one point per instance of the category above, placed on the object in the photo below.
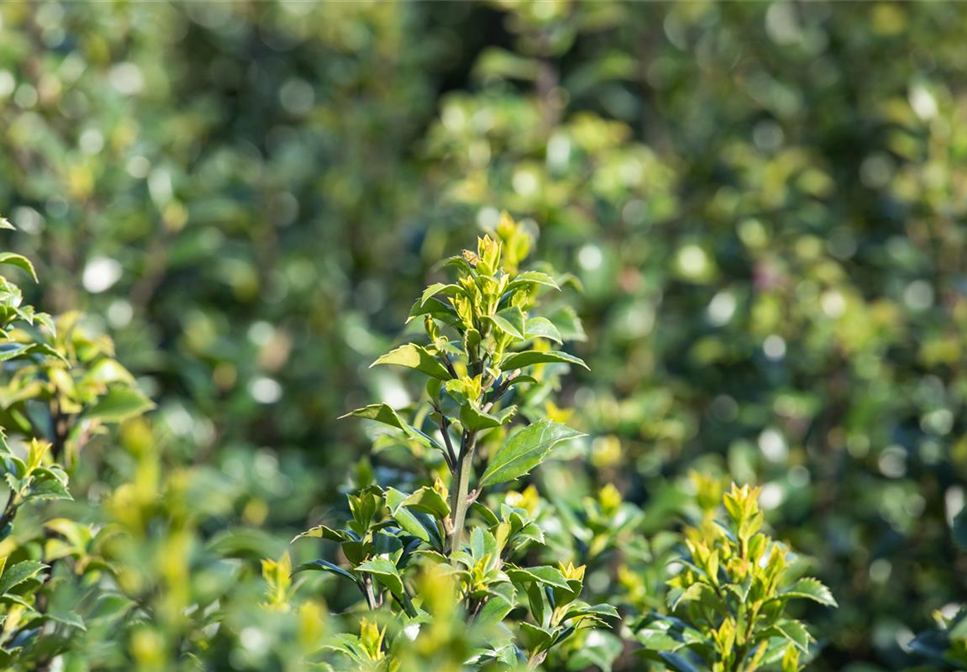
pixel 60 386
pixel 444 575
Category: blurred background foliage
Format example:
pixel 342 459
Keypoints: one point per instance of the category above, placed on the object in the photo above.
pixel 764 203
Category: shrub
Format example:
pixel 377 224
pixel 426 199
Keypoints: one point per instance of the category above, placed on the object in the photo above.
pixel 60 386
pixel 728 603
pixel 460 538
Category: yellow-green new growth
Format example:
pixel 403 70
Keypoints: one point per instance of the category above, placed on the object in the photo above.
pixel 728 603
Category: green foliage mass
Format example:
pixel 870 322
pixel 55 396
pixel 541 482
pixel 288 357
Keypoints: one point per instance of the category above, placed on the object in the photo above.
pixel 231 207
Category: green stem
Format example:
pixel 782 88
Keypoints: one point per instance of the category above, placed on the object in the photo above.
pixel 9 512
pixel 461 490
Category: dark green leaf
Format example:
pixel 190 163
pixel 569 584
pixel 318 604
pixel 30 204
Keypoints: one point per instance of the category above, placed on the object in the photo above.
pixel 525 450
pixel 386 572
pixel 810 589
pixel 519 360
pixel 324 566
pixel 18 573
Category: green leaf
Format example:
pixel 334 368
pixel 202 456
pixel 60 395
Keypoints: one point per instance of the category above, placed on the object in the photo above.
pixel 46 485
pixel 524 451
pixel 380 413
pixel 414 356
pixel 440 288
pixel 794 631
pixel 534 638
pixel 677 662
pixel 20 262
pixel 17 574
pixel 810 589
pixel 324 566
pixel 11 350
pixel 494 612
pixel 322 532
pixel 386 415
pixel 120 403
pixel 541 327
pixel 429 501
pixel 474 420
pixel 419 524
pixel 4 224
pixel 543 575
pixel 434 308
pixel 70 618
pixel 518 360
pixel 691 594
pixel 386 572
pixel 510 321
pixel 532 278
pixel 489 516
pixel 598 610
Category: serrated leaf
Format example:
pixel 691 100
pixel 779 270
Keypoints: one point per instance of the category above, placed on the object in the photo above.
pixel 534 638
pixel 386 572
pixel 531 278
pixel 434 308
pixel 541 327
pixel 418 524
pixel 525 450
pixel 119 404
pixel 324 566
pixel 810 589
pixel 519 360
pixel 70 618
pixel 414 356
pixel 386 415
pixel 20 262
pixel 793 631
pixel 47 486
pixel 493 612
pixel 429 501
pixel 322 532
pixel 543 575
pixel 18 573
pixel 510 321
pixel 440 288
pixel 598 610
pixel 11 350
pixel 692 593
pixel 474 420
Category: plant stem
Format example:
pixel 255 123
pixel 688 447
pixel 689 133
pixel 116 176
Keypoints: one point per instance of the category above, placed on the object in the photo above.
pixel 9 512
pixel 461 489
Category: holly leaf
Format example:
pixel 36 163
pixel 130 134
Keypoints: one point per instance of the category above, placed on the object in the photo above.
pixel 414 356
pixel 120 403
pixel 19 261
pixel 16 574
pixel 810 589
pixel 525 450
pixel 324 566
pixel 519 360
pixel 510 321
